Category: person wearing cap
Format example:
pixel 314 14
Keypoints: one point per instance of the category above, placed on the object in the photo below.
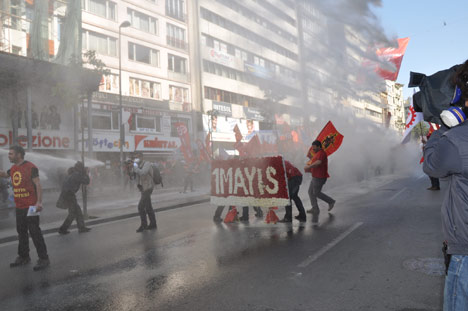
pixel 446 155
pixel 318 167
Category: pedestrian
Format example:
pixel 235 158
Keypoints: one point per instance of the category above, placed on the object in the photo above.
pixel 28 194
pixel 445 156
pixel 318 167
pixel 188 179
pixel 77 176
pixel 294 183
pixel 144 171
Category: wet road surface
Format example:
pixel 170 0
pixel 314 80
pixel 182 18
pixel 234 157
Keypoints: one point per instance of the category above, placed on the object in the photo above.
pixel 364 256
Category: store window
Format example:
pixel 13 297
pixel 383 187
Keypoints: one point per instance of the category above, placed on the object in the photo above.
pixel 144 88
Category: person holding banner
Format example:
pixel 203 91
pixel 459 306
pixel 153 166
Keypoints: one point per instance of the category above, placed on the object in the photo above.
pixel 294 183
pixel 318 167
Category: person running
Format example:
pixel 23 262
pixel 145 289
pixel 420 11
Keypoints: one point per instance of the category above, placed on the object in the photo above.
pixel 318 167
pixel 144 171
pixel 28 194
pixel 77 177
pixel 294 183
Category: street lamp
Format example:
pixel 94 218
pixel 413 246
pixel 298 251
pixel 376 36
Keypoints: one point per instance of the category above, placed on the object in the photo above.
pixel 122 127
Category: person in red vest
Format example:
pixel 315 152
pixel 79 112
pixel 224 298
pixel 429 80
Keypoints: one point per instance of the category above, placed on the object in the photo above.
pixel 294 183
pixel 318 167
pixel 27 192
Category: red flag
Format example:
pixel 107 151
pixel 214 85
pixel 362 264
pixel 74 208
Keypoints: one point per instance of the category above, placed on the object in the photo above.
pixel 392 55
pixel 330 138
pixel 253 147
pixel 238 133
pixel 185 147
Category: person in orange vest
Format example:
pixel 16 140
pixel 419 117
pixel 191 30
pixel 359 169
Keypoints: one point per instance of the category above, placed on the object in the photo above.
pixel 318 167
pixel 28 196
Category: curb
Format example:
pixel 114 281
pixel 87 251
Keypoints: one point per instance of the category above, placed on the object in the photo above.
pixel 113 218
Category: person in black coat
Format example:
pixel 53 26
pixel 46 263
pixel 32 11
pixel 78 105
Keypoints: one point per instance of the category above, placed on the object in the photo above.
pixel 77 176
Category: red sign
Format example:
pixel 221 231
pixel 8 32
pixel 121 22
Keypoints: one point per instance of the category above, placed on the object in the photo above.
pixel 184 140
pixel 249 182
pixel 394 56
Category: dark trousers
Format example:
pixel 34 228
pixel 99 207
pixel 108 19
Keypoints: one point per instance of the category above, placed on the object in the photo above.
pixel 26 226
pixel 315 191
pixel 219 211
pixel 435 182
pixel 74 212
pixel 294 185
pixel 188 181
pixel 146 208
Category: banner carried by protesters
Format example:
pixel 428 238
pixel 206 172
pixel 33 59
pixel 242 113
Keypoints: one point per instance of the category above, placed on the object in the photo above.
pixel 330 138
pixel 412 120
pixel 184 140
pixel 249 182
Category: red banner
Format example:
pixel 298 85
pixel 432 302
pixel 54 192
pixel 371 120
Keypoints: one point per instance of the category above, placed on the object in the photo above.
pixel 330 138
pixel 392 55
pixel 184 140
pixel 204 156
pixel 249 182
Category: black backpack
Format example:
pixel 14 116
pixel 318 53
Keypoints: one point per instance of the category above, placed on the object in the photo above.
pixel 157 178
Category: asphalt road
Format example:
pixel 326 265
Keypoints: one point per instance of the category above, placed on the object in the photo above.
pixel 378 250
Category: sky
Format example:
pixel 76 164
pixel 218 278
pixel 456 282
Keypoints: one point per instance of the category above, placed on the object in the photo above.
pixel 437 31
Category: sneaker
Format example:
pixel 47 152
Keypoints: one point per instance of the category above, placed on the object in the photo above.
pixel 285 220
pixel 152 227
pixel 301 218
pixel 141 229
pixel 20 261
pixel 41 264
pixel 63 232
pixel 331 205
pixel 83 230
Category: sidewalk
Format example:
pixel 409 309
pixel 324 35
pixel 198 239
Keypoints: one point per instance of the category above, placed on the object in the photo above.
pixel 108 205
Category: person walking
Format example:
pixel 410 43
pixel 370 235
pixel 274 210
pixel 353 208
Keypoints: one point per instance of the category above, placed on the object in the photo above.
pixel 77 176
pixel 445 156
pixel 294 183
pixel 318 167
pixel 144 171
pixel 28 194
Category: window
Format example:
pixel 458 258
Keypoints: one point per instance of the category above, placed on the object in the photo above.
pixel 178 94
pixel 176 9
pixel 102 44
pixel 147 124
pixel 143 54
pixel 144 88
pixel 142 21
pixel 103 120
pixel 109 83
pixel 176 36
pixel 177 64
pixel 103 8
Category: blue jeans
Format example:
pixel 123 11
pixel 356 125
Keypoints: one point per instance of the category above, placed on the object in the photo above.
pixel 456 285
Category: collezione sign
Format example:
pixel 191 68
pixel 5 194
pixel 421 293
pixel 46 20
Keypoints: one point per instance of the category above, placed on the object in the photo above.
pixel 249 182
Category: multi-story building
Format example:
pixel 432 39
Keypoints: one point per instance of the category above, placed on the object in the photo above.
pixel 248 60
pixel 156 74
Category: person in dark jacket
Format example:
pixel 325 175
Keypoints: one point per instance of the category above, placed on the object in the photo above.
pixel 294 183
pixel 446 155
pixel 77 176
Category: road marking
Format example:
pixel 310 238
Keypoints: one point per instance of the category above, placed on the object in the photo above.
pixel 397 194
pixel 329 246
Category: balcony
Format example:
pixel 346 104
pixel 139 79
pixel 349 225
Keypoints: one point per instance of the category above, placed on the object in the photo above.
pixel 176 43
pixel 178 76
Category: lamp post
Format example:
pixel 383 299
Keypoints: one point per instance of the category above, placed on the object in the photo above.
pixel 122 127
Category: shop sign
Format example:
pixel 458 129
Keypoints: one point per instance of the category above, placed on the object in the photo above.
pixel 135 142
pixel 41 139
pixel 253 114
pixel 224 109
